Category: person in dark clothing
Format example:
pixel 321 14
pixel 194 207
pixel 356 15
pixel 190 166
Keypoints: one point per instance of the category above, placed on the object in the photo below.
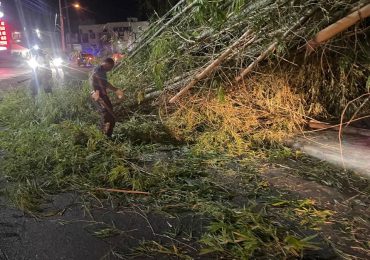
pixel 100 84
pixel 41 73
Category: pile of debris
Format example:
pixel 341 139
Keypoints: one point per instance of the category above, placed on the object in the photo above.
pixel 238 53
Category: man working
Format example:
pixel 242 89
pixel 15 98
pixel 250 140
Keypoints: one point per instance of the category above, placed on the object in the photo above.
pixel 99 82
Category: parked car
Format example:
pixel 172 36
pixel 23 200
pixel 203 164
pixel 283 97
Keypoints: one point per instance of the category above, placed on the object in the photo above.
pixel 85 59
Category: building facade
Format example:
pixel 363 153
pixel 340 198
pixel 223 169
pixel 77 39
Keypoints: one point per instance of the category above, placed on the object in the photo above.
pixel 111 37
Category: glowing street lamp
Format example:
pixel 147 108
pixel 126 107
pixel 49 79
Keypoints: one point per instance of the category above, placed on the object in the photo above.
pixel 38 33
pixel 77 6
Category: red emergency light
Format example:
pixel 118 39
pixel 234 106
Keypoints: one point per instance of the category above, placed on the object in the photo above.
pixel 3 36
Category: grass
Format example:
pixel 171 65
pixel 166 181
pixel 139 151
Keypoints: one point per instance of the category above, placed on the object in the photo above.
pixel 50 149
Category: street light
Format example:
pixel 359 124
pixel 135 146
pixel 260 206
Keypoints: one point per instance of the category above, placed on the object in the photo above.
pixel 38 33
pixel 77 6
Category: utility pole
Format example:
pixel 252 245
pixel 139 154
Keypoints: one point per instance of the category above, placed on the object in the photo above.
pixel 62 26
pixel 1 11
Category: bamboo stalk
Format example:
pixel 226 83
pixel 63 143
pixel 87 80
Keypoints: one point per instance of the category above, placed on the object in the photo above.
pixel 337 27
pixel 124 191
pixel 160 30
pixel 261 57
pixel 272 46
pixel 347 129
pixel 159 21
pixel 214 64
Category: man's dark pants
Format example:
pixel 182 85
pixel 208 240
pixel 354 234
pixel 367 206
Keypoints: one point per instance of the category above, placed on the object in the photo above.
pixel 107 120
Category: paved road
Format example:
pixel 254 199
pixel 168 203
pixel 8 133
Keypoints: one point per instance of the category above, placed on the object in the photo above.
pixel 12 71
pixel 354 154
pixel 78 73
pixel 9 73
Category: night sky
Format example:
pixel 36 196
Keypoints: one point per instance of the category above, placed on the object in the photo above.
pixel 112 10
pixel 41 13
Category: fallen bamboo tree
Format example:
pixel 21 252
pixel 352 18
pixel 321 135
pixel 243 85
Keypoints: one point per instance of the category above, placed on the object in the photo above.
pixel 165 26
pixel 196 42
pixel 214 64
pixel 271 48
pixel 313 124
pixel 147 33
pixel 337 27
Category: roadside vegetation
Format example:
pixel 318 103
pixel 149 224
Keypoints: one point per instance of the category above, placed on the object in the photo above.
pixel 216 159
pixel 51 145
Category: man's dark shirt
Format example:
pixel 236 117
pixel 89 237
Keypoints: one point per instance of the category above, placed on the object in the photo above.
pixel 99 73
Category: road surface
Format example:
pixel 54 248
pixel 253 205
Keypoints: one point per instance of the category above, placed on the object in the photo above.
pixel 353 153
pixel 13 72
pixel 9 73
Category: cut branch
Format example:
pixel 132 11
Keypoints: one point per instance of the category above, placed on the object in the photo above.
pixel 124 191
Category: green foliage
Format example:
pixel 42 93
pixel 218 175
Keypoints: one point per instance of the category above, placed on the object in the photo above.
pixel 156 249
pixel 143 130
pixel 245 234
pixel 161 48
pixel 49 149
pixel 296 246
pixel 51 144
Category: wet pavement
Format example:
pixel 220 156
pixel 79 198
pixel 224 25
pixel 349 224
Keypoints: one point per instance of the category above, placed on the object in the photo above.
pixel 68 227
pixel 71 231
pixel 9 73
pixel 352 154
pixel 24 237
pixel 14 71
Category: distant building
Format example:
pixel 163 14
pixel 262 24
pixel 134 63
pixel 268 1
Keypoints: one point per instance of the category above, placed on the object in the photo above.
pixel 110 37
